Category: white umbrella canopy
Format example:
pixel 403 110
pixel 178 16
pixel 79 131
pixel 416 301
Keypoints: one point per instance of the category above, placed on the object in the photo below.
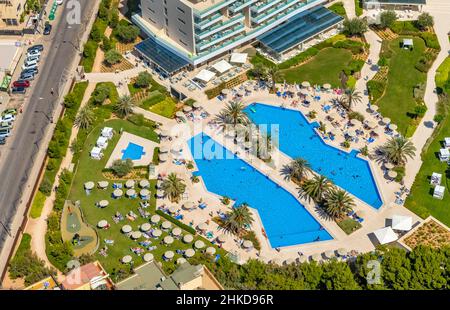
pixel 179 114
pixel 302 259
pixel 196 105
pixel 136 234
pixel 386 120
pixel 371 124
pixel 126 229
pixel 155 219
pixel 247 244
pixel 103 184
pixel 159 183
pixel 225 91
pixel 118 193
pixel 168 240
pixel 385 235
pixel 374 108
pixel 329 254
pixel 326 86
pixel 103 203
pixel 144 183
pixel 189 253
pixel 355 122
pixel 187 108
pixel 148 257
pixel 166 225
pixel 157 233
pixel 202 226
pixel 393 127
pixel 173 209
pixel 389 165
pixel 130 184
pixel 144 192
pixel 360 213
pixel 165 133
pixel 210 250
pixel 342 251
pixel 102 224
pixel 351 133
pixel 164 149
pixel 306 84
pixel 289 261
pixel 160 193
pixel 316 257
pixel 176 231
pixel 89 185
pixel 199 244
pixel 163 157
pixel 401 222
pixel 146 227
pixel 392 174
pixel 188 238
pixel 222 238
pixel 189 205
pixel 131 192
pixel 127 259
pixel 169 254
pixel 181 260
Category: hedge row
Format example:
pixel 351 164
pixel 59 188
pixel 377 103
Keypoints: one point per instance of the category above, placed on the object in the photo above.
pixel 176 222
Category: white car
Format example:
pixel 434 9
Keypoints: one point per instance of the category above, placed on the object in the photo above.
pixel 30 66
pixel 59 2
pixel 8 118
pixel 33 53
pixel 6 132
pixel 32 58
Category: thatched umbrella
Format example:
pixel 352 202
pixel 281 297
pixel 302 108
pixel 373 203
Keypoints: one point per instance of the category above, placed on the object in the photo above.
pixel 176 231
pixel 189 253
pixel 155 219
pixel 102 224
pixel 199 244
pixel 168 240
pixel 247 244
pixel 210 250
pixel 130 184
pixel 306 84
pixel 329 254
pixel 103 184
pixel 166 225
pixel 342 251
pixel 146 227
pixel 188 238
pixel 392 174
pixel 89 185
pixel 126 229
pixel 144 183
pixel 148 257
pixel 127 259
pixel 389 165
pixel 169 254
pixel 157 233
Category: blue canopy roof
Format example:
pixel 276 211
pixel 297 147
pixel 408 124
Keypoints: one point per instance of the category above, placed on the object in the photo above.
pixel 299 28
pixel 162 56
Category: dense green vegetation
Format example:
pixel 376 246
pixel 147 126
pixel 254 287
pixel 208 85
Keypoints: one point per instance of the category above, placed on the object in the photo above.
pixel 358 7
pixel 423 268
pixel 338 8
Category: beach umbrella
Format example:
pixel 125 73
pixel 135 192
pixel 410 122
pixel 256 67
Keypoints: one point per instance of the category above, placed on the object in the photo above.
pixel 392 174
pixel 102 224
pixel 160 193
pixel 168 240
pixel 144 192
pixel 302 259
pixel 179 114
pixel 126 229
pixel 189 253
pixel 202 226
pixel 334 115
pixel 360 213
pixel 157 233
pixel 374 108
pixel 163 157
pixel 166 225
pixel 351 133
pixel 103 203
pixel 326 86
pixel 187 108
pixel 164 149
pixel 155 219
pixel 129 184
pixel 118 193
pixel 176 231
pixel 371 124
pixel 188 205
pixel 131 192
pixel 316 257
pixel 401 222
pixel 248 145
pixel 144 183
pixel 169 254
pixel 392 127
pixel 136 234
pixel 126 259
pixel 342 251
pixel 225 91
pixel 196 105
pixel 329 254
pixel 159 183
pixel 386 120
pixel 210 250
pixel 188 238
pixel 355 122
pixel 173 209
pixel 89 185
pixel 289 261
pixel 165 133
pixel 199 244
pixel 222 238
pixel 181 260
pixel 146 227
pixel 389 165
pixel 247 244
pixel 148 257
pixel 103 184
pixel 385 235
pixel 306 84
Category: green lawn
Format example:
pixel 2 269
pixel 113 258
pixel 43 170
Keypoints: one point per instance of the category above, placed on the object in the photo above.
pixel 323 68
pixel 91 170
pixel 37 205
pixel 398 99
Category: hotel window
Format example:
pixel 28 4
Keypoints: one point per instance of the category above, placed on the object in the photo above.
pixel 181 21
pixel 181 10
pixel 182 31
pixel 185 44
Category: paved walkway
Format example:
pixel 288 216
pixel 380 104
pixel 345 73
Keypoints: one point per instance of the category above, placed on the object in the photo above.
pixel 349 6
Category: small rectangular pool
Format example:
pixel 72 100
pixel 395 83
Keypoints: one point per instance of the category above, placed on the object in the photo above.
pixel 133 152
pixel 285 219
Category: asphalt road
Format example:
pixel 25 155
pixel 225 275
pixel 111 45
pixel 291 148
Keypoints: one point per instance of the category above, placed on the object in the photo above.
pixel 27 138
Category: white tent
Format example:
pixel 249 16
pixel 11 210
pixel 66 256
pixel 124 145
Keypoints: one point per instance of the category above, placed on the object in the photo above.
pixel 222 66
pixel 238 58
pixel 439 192
pixel 96 153
pixel 436 178
pixel 205 75
pixel 444 154
pixel 107 132
pixel 102 142
pixel 447 142
pixel 408 43
pixel 401 222
pixel 385 235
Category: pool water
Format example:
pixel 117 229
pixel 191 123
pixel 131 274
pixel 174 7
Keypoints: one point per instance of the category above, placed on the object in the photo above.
pixel 285 220
pixel 133 152
pixel 297 138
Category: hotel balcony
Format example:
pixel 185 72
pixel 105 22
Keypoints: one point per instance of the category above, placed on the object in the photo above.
pixel 213 8
pixel 240 5
pixel 220 27
pixel 220 37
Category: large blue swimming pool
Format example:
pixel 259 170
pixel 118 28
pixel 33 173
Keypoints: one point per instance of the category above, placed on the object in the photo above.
pixel 297 138
pixel 285 220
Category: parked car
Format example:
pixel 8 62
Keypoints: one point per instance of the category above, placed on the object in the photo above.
pixel 27 76
pixel 6 132
pixel 2 140
pixel 33 53
pixel 33 71
pixel 8 118
pixel 47 29
pixel 18 90
pixel 30 66
pixel 38 47
pixel 33 58
pixel 21 83
pixel 6 125
pixel 29 63
pixel 10 111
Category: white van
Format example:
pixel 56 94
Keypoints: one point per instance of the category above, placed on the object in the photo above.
pixel 30 62
pixel 5 132
pixel 29 66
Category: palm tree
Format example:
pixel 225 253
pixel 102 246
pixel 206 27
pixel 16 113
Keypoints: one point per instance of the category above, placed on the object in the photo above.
pixel 173 187
pixel 352 96
pixel 274 74
pixel 315 188
pixel 296 169
pixel 237 219
pixel 232 114
pixel 338 203
pixel 259 71
pixel 125 106
pixel 85 117
pixel 396 150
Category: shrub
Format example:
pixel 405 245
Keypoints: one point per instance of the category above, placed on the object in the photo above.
pixel 353 67
pixel 137 119
pixel 404 27
pixel 122 167
pixel 310 52
pixel 96 33
pixel 383 61
pixel 107 44
pixel 376 89
pixel 112 57
pixel 438 118
pixel 387 18
pixel 114 20
pixel 101 93
pixel 431 40
pixel 338 8
pixel 127 33
pixel 46 186
pixel 358 7
pixel 420 110
pixel 424 20
pixel 356 115
pixel 355 26
pixel 143 80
